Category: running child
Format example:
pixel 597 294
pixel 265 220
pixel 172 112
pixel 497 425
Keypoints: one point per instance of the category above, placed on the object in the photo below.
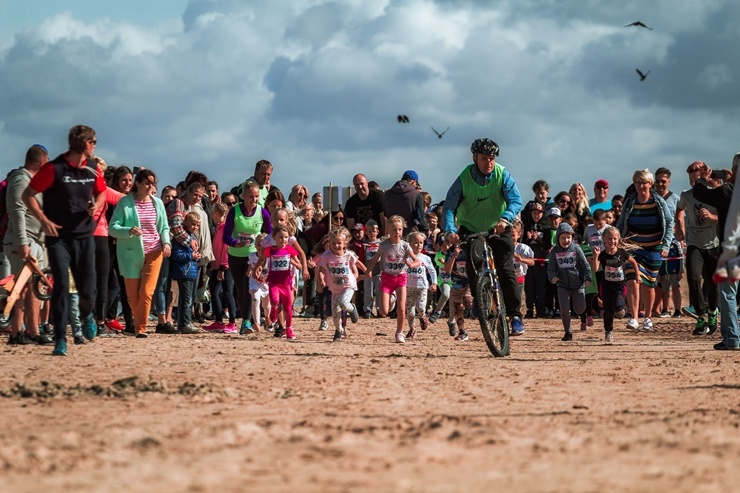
pixel 371 284
pixel 258 288
pixel 523 255
pixel 612 259
pixel 281 258
pixel 420 280
pixel 444 280
pixel 339 267
pixel 460 297
pixel 394 255
pixel 570 272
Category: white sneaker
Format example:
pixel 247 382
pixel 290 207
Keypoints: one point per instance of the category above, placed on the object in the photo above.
pixel 324 325
pixel 608 338
pixel 632 324
pixel 647 324
pixel 400 338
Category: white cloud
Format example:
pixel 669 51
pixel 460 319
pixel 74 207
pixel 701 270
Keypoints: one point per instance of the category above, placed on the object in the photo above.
pixel 314 86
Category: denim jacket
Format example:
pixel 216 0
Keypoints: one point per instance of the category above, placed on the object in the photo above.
pixel 665 216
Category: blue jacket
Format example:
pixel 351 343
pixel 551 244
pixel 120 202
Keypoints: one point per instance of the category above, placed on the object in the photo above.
pixel 182 264
pixel 665 216
pixel 568 265
pixel 455 196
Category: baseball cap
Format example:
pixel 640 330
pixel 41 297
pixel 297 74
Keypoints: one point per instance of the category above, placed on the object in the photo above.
pixel 554 212
pixel 537 207
pixel 358 227
pixel 410 174
pixel 601 183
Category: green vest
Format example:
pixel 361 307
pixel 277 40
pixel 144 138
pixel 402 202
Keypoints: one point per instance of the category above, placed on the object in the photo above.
pixel 246 227
pixel 482 205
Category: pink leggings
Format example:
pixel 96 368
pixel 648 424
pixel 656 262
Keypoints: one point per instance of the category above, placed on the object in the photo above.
pixel 282 293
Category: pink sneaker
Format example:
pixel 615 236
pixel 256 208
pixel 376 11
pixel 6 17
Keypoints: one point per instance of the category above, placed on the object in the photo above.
pixel 215 326
pixel 590 321
pixel 230 329
pixel 290 334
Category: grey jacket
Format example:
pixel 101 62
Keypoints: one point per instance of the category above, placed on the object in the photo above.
pixel 569 265
pixel 23 227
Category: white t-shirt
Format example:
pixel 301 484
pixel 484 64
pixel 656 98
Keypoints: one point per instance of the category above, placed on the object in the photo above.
pixel 338 270
pixel 417 276
pixel 520 269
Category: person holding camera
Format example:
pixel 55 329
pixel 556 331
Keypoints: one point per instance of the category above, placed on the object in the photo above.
pixel 696 224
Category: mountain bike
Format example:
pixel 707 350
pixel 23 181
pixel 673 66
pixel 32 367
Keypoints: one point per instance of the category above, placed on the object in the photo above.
pixel 11 287
pixel 491 309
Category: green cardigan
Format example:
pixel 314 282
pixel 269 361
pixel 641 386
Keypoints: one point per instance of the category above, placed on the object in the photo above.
pixel 130 249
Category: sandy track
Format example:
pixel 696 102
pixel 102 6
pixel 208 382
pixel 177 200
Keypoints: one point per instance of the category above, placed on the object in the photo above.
pixel 655 411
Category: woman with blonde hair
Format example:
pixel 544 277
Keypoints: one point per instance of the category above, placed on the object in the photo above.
pixel 580 200
pixel 646 224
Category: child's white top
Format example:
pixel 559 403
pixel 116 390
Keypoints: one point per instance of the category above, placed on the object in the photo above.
pixel 418 277
pixel 338 273
pixel 520 269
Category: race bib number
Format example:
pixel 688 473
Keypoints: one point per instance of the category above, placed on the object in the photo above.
pixel 370 251
pixel 248 238
pixel 613 274
pixel 394 265
pixel 595 240
pixel 461 269
pixel 339 273
pixel 566 259
pixel 281 263
pixel 445 277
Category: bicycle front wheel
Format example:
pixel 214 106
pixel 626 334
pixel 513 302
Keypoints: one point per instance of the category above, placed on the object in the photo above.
pixel 42 287
pixel 492 316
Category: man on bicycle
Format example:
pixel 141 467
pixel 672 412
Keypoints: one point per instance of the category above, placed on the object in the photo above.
pixel 484 197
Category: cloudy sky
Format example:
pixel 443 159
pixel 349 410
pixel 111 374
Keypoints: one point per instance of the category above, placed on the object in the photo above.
pixel 315 86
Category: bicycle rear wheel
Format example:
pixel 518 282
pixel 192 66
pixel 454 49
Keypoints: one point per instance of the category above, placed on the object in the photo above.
pixel 5 321
pixel 492 317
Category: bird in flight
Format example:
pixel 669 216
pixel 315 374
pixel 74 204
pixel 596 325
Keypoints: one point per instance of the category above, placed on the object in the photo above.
pixel 403 119
pixel 638 24
pixel 439 134
pixel 643 76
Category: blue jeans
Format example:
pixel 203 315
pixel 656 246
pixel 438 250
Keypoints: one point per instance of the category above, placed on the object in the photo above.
pixel 728 313
pixel 185 302
pixel 162 289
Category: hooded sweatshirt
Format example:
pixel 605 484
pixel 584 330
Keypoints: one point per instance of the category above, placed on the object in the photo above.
pixel 404 200
pixel 569 265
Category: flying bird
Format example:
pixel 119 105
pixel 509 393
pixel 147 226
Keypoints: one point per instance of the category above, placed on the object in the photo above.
pixel 402 119
pixel 638 24
pixel 439 135
pixel 642 76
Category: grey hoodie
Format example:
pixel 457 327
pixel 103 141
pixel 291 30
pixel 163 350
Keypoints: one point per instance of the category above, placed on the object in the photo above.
pixel 568 265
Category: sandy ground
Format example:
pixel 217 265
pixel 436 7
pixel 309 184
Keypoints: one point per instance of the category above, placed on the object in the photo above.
pixel 655 411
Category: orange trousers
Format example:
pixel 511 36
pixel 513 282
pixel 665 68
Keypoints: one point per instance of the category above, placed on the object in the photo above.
pixel 140 291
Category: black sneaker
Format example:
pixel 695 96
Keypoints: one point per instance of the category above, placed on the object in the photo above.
pixel 79 340
pixel 141 336
pixel 42 339
pixel 337 335
pixel 46 329
pixel 166 328
pixel 279 331
pixel 568 336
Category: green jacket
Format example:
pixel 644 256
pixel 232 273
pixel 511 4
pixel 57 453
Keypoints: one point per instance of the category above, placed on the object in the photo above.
pixel 130 249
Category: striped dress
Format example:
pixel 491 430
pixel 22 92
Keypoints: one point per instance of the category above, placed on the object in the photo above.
pixel 645 229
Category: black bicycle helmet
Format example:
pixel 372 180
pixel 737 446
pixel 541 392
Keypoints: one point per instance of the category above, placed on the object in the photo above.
pixel 484 146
